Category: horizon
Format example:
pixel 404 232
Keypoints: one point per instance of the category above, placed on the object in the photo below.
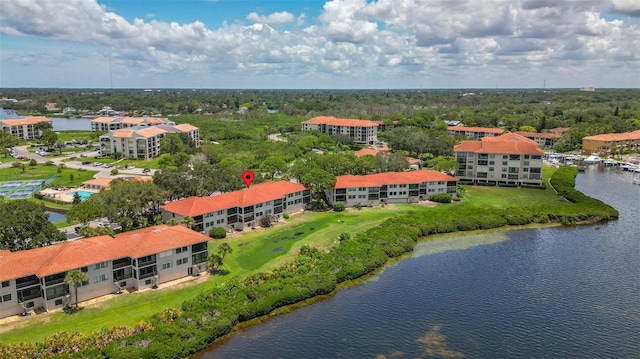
pixel 315 44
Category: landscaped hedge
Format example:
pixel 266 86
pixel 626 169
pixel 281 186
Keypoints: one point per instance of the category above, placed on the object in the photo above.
pixel 214 313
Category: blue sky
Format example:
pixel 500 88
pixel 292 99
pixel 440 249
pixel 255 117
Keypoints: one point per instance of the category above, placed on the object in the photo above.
pixel 320 44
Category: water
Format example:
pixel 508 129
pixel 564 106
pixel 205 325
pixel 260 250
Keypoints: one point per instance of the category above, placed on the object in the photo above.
pixel 55 217
pixel 59 124
pixel 535 293
pixel 83 194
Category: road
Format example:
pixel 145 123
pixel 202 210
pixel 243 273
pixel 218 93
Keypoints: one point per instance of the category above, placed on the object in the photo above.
pixel 102 172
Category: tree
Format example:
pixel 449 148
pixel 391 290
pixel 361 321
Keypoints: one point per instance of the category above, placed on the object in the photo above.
pixel 444 164
pixel 318 181
pixel 6 141
pixel 188 222
pixel 214 261
pixel 76 198
pixel 273 166
pixel 49 138
pixel 526 128
pixel 75 278
pixel 224 249
pixel 25 225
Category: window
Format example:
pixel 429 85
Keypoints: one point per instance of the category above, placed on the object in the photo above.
pixel 182 261
pixel 165 254
pixel 504 163
pixel 100 265
pixel 6 298
pixel 58 302
pixel 100 278
pixel 5 284
pixel 167 265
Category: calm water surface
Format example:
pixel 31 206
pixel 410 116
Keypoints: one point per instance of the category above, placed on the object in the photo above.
pixel 558 292
pixel 59 124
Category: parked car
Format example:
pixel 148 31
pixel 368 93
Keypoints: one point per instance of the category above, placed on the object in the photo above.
pixel 146 170
pixel 86 162
pixel 97 164
pixel 104 224
pixel 107 165
pixel 131 167
pixel 83 155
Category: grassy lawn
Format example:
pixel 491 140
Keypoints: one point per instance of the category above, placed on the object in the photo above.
pixel 68 177
pixel 131 308
pixel 259 250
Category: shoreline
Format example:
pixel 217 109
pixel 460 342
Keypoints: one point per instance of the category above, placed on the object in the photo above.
pixel 216 314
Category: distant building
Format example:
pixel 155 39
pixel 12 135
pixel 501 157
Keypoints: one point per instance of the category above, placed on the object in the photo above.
pixel 475 133
pixel 607 143
pixel 506 159
pixel 23 128
pixel 588 89
pixel 414 163
pixel 143 258
pixel 143 143
pixel 559 130
pixel 391 187
pixel 362 131
pixel 543 139
pixel 107 124
pixel 51 106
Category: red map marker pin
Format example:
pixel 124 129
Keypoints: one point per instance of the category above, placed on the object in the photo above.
pixel 247 177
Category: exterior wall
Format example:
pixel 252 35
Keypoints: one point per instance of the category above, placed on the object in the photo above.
pixel 476 135
pixel 606 148
pixel 361 135
pixel 104 278
pixel 499 168
pixel 238 218
pixel 23 132
pixel 393 193
pixel 137 147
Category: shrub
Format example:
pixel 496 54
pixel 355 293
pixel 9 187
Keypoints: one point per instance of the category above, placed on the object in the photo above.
pixel 441 198
pixel 114 172
pixel 344 236
pixel 218 233
pixel 33 162
pixel 338 207
pixel 16 164
pixel 266 221
pixel 358 206
pixel 285 216
pixel 49 163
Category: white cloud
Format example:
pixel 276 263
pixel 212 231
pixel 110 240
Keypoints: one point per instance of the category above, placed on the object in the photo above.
pixel 399 39
pixel 627 7
pixel 277 18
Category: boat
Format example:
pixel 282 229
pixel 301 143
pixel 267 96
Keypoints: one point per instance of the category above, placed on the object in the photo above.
pixel 592 160
pixel 609 163
pixel 625 166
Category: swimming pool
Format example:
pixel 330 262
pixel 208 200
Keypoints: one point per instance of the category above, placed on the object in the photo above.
pixel 83 194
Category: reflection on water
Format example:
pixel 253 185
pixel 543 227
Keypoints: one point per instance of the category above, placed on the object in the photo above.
pixel 552 292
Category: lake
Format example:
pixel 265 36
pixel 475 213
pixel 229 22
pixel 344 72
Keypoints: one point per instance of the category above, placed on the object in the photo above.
pixel 554 292
pixel 59 124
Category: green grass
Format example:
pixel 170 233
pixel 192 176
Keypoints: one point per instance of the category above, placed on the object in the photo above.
pixel 41 171
pixel 131 308
pixel 254 251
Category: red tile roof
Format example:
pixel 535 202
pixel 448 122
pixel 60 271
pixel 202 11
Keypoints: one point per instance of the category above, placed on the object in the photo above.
pixel 475 129
pixel 366 151
pixel 509 143
pixel 185 127
pixel 606 137
pixel 387 178
pixel 25 121
pixel 259 193
pixel 509 136
pixel 70 255
pixel 559 129
pixel 330 120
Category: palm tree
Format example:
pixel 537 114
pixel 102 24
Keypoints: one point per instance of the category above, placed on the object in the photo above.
pixel 224 249
pixel 75 278
pixel 188 222
pixel 214 261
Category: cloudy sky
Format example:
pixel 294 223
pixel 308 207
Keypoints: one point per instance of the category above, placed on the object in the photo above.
pixel 298 44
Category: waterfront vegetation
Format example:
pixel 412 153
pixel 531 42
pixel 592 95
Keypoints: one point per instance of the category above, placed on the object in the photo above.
pixel 184 320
